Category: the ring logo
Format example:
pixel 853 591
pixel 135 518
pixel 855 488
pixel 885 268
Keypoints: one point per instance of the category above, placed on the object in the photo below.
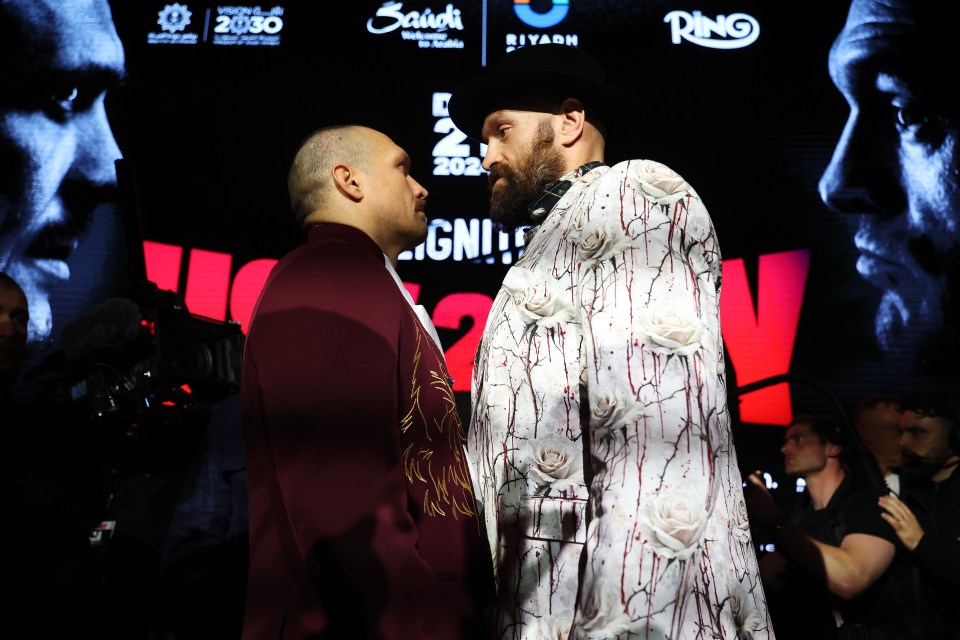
pixel 734 31
pixel 553 17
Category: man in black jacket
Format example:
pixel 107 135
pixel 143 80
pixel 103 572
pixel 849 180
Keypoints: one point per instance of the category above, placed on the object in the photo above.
pixel 926 518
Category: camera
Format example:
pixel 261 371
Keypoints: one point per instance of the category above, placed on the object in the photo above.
pixel 199 350
pixel 143 360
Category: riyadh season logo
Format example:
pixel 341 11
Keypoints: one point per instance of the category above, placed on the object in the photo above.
pixel 174 17
pixel 428 29
pixel 173 20
pixel 735 31
pixel 553 16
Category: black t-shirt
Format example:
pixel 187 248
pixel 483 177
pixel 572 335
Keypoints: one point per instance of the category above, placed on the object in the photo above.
pixel 854 509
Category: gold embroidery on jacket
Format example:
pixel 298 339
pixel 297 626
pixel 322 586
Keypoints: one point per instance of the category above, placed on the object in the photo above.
pixel 449 488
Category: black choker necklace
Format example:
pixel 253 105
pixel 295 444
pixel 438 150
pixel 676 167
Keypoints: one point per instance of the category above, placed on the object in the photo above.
pixel 551 195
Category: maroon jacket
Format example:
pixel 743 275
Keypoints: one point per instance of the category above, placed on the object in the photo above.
pixel 362 514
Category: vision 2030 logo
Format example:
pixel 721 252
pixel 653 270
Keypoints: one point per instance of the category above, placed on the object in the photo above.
pixel 242 21
pixel 173 21
pixel 174 17
pixel 428 29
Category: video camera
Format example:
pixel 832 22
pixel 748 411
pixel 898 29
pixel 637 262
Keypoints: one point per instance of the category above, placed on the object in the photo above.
pixel 144 357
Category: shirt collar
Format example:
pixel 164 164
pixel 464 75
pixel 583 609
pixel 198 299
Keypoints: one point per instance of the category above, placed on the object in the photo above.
pixel 552 193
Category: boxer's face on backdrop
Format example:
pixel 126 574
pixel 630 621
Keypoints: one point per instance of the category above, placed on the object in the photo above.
pixel 896 168
pixel 59 58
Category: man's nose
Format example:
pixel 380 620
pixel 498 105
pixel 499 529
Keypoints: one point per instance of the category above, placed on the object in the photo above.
pixel 860 178
pixel 492 156
pixel 7 326
pixel 97 149
pixel 419 191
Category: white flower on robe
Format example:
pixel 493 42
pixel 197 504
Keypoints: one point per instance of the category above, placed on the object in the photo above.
pixel 674 523
pixel 600 240
pixel 610 411
pixel 748 619
pixel 555 463
pixel 661 184
pixel 551 628
pixel 741 524
pixel 672 327
pixel 603 616
pixel 542 303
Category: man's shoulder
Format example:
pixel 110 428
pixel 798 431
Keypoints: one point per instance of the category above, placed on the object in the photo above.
pixel 329 273
pixel 859 495
pixel 334 260
pixel 643 165
pixel 653 179
pixel 860 512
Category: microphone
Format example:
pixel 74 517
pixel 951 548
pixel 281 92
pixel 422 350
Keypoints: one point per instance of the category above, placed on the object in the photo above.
pixel 106 327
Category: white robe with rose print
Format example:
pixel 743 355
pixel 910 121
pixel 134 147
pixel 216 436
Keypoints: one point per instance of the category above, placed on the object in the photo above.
pixel 600 432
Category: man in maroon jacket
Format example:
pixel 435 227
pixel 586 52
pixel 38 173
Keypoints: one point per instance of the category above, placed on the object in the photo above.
pixel 363 520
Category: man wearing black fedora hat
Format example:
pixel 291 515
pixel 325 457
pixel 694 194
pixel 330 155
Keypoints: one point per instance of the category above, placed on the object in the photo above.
pixel 600 430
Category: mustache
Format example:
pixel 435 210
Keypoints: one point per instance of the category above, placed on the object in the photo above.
pixel 498 171
pixel 913 459
pixel 79 202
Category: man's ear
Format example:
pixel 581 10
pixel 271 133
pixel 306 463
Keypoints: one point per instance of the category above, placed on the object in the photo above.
pixel 832 450
pixel 346 180
pixel 572 119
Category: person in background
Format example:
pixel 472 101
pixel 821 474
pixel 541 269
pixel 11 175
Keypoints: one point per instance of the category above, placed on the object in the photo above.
pixel 877 421
pixel 362 516
pixel 204 558
pixel 14 319
pixel 926 516
pixel 600 430
pixel 834 572
pixel 896 167
pixel 48 584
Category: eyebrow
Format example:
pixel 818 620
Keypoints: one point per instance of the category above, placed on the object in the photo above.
pixel 94 74
pixel 88 76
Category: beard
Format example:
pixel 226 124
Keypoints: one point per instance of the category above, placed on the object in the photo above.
pixel 917 469
pixel 521 184
pixel 918 327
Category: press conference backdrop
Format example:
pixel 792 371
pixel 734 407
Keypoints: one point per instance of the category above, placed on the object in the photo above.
pixel 735 96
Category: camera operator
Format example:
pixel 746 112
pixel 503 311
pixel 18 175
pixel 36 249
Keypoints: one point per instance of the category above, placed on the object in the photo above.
pixel 835 572
pixel 46 562
pixel 133 384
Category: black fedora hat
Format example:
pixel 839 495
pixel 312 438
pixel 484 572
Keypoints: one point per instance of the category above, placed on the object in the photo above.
pixel 556 70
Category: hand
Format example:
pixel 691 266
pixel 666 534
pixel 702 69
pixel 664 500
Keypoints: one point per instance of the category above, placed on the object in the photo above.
pixel 904 523
pixel 761 508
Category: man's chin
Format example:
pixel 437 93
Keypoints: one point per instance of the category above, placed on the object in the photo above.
pixel 911 329
pixel 510 218
pixel 36 290
pixel 41 316
pixel 891 321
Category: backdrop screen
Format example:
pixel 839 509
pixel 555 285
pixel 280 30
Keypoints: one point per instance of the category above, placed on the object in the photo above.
pixel 736 97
